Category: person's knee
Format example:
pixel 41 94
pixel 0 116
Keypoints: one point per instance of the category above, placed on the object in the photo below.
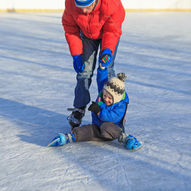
pixel 110 131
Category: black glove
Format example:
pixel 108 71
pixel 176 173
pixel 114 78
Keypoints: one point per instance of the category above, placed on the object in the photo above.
pixel 94 107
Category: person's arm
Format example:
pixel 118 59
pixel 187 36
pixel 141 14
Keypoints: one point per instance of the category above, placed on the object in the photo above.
pixel 115 115
pixel 102 78
pixel 72 31
pixel 112 27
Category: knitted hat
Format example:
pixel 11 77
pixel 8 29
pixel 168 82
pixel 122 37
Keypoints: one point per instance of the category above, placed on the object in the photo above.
pixel 116 87
pixel 83 3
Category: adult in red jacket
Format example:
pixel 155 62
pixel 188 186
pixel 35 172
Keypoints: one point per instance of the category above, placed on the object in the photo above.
pixel 89 24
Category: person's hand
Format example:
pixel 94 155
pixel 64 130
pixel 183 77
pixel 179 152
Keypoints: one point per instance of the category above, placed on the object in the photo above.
pixel 78 63
pixel 105 57
pixel 94 107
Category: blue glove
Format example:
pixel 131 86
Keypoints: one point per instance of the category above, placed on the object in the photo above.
pixel 78 63
pixel 105 57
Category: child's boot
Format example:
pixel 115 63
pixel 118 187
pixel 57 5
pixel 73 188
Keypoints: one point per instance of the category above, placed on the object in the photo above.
pixel 131 143
pixel 122 137
pixel 62 139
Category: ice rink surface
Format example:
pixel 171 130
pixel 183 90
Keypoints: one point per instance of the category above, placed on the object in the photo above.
pixel 37 82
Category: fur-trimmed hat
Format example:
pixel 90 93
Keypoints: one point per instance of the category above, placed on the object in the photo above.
pixel 116 87
pixel 83 3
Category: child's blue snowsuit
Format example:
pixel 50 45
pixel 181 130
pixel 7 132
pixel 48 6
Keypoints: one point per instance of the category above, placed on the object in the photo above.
pixel 113 113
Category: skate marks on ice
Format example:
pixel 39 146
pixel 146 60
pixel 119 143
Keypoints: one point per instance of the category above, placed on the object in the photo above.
pixel 112 167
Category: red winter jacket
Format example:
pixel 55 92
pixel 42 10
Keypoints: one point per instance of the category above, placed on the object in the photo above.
pixel 104 22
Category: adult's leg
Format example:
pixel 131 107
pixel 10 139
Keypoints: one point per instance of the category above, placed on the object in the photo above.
pixel 84 79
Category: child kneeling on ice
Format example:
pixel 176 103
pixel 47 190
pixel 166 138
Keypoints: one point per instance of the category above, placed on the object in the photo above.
pixel 108 113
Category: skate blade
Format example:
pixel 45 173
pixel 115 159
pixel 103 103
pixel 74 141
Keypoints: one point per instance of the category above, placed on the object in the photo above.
pixel 137 149
pixel 53 143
